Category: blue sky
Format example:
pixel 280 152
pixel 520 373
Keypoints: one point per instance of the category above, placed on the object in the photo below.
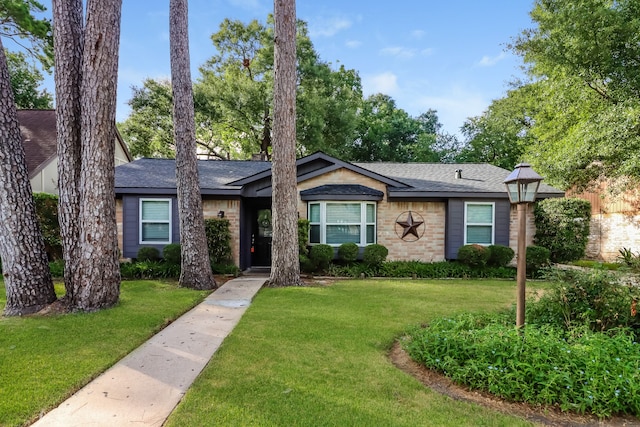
pixel 446 55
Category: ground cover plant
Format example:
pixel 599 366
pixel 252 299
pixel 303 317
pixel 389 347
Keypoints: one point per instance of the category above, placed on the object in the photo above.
pixel 578 351
pixel 43 360
pixel 318 356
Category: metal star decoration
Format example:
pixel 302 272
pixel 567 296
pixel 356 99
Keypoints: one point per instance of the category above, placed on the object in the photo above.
pixel 410 226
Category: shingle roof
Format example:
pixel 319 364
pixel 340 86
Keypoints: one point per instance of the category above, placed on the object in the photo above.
pixel 342 190
pixel 160 174
pixel 38 129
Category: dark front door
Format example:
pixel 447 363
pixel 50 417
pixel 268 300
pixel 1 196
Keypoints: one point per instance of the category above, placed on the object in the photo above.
pixel 261 239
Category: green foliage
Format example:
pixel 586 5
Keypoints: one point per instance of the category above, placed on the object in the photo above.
pixel 321 256
pixel 57 268
pixel 17 20
pixel 227 269
pixel 218 240
pixel 306 265
pixel 595 299
pixel 500 255
pixel 562 226
pixel 149 269
pixel 348 252
pixel 171 253
pixel 47 213
pixel 148 253
pixel 585 372
pixel 303 236
pixel 474 255
pixel 374 255
pixel 628 258
pixel 537 258
pixel 25 82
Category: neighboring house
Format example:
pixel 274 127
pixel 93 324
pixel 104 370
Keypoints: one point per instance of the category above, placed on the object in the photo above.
pixel 38 128
pixel 418 211
pixel 615 222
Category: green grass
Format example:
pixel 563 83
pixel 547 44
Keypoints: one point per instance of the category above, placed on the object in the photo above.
pixel 318 356
pixel 43 360
pixel 597 264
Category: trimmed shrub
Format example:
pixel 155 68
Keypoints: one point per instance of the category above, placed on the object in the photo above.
pixel 148 253
pixel 321 256
pixel 562 226
pixel 218 240
pixel 348 252
pixel 537 258
pixel 47 213
pixel 374 255
pixel 306 265
pixel 500 255
pixel 303 236
pixel 171 254
pixel 474 255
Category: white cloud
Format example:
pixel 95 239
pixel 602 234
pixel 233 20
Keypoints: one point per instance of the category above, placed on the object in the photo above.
pixel 386 83
pixel 488 61
pixel 328 27
pixel 399 52
pixel 353 44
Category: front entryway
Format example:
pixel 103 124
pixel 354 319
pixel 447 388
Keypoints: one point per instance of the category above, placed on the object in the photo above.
pixel 261 238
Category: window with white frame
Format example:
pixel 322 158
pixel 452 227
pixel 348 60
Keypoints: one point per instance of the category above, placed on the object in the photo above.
pixel 479 223
pixel 155 221
pixel 335 223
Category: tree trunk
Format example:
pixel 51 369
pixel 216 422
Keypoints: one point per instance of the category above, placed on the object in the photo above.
pixel 68 35
pixel 195 266
pixel 285 266
pixel 24 261
pixel 97 283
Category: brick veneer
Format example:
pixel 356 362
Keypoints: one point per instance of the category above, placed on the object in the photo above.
pixel 231 208
pixel 513 227
pixel 611 232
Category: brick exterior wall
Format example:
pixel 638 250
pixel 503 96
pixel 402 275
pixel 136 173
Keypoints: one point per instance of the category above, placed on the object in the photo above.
pixel 231 208
pixel 611 232
pixel 430 247
pixel 514 226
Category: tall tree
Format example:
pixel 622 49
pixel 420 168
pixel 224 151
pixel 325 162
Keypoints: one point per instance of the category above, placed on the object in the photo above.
pixel 94 269
pixel 26 79
pixel 195 266
pixel 68 50
pixel 285 267
pixel 24 261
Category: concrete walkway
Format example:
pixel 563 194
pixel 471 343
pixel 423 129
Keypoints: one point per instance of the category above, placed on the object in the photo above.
pixel 145 386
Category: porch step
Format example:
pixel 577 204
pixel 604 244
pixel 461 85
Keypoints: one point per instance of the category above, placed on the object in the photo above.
pixel 257 271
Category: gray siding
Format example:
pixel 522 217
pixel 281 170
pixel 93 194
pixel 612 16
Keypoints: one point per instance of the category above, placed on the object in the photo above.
pixel 131 223
pixel 454 235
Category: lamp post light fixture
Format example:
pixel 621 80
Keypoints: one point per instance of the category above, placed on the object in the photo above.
pixel 522 187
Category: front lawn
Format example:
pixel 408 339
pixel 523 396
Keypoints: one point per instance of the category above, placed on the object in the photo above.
pixel 318 356
pixel 43 360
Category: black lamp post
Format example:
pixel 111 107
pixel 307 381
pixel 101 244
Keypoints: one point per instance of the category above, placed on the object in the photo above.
pixel 522 187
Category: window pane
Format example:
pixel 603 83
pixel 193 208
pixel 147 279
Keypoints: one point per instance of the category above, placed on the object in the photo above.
pixel 314 212
pixel 480 214
pixel 479 234
pixel 371 233
pixel 371 213
pixel 155 210
pixel 155 232
pixel 314 234
pixel 343 213
pixel 338 234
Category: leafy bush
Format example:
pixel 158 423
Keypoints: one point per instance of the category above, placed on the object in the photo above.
pixel 303 236
pixel 374 255
pixel 348 252
pixel 218 240
pixel 537 258
pixel 628 258
pixel 595 299
pixel 148 253
pixel 306 264
pixel 500 255
pixel 171 253
pixel 562 226
pixel 149 270
pixel 57 268
pixel 230 269
pixel 474 255
pixel 321 256
pixel 580 371
pixel 47 213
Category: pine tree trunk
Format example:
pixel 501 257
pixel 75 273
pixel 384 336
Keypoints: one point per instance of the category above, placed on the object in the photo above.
pixel 195 267
pixel 98 277
pixel 68 35
pixel 285 266
pixel 24 261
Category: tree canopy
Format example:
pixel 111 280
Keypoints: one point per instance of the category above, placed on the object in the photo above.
pixel 26 79
pixel 18 22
